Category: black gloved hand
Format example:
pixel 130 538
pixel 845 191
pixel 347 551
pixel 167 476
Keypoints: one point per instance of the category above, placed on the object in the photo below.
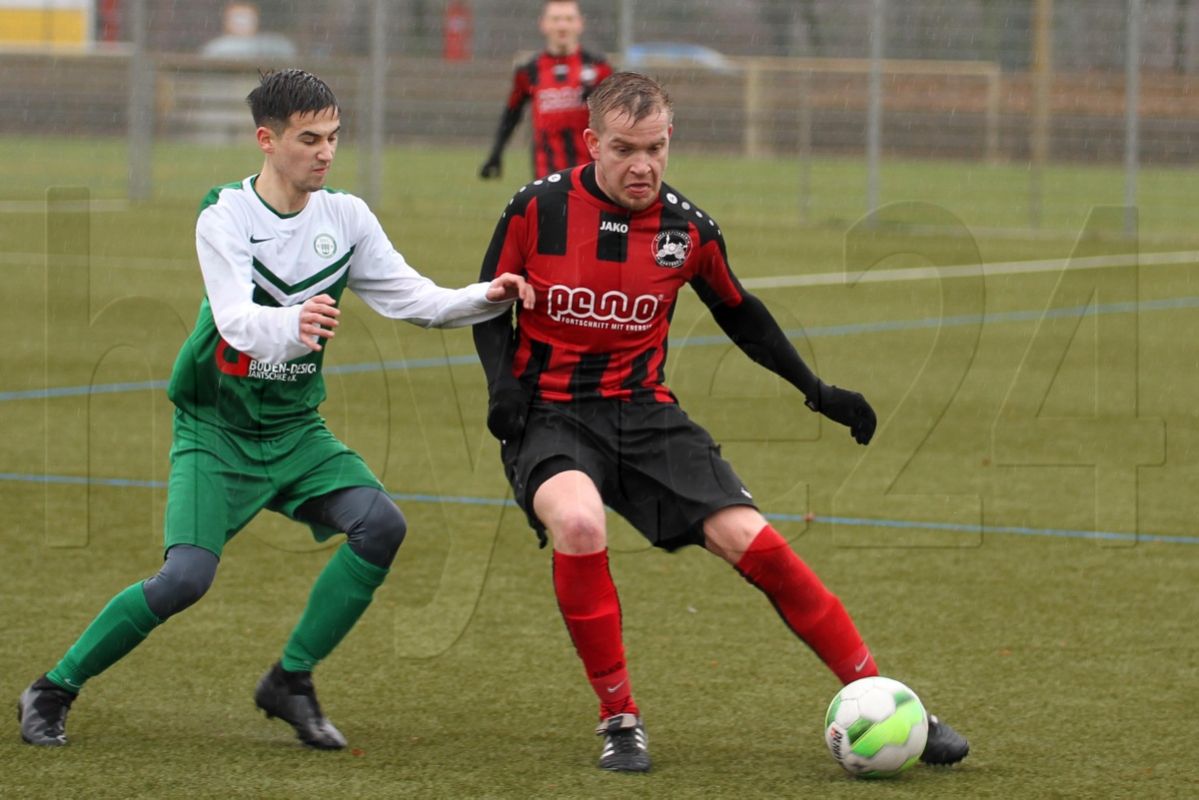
pixel 491 168
pixel 507 412
pixel 848 408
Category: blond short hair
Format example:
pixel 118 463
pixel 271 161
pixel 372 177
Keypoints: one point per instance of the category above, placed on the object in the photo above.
pixel 635 95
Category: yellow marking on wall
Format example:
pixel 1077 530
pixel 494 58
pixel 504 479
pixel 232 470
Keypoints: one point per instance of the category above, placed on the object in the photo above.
pixel 43 26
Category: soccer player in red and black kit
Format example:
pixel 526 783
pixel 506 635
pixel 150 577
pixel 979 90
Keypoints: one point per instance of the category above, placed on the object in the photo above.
pixel 578 401
pixel 558 81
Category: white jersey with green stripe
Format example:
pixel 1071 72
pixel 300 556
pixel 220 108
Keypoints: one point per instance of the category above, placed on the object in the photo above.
pixel 243 366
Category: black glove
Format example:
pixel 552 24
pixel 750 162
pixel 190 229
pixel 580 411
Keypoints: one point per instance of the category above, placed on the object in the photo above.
pixel 507 412
pixel 848 408
pixel 491 168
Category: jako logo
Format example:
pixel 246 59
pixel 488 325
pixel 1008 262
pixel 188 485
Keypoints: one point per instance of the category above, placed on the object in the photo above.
pixel 611 307
pixel 614 227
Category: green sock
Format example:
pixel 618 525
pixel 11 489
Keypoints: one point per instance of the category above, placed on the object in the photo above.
pixel 122 625
pixel 340 595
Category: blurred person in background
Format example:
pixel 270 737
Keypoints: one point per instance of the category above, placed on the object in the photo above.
pixel 557 81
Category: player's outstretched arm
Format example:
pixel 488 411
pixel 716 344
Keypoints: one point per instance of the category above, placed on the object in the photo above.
pixel 754 329
pixel 389 285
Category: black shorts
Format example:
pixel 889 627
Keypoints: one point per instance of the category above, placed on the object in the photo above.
pixel 652 464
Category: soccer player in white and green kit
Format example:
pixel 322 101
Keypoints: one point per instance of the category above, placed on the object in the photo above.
pixel 276 251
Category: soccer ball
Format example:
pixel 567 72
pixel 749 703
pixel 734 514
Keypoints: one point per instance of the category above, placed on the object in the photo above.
pixel 876 727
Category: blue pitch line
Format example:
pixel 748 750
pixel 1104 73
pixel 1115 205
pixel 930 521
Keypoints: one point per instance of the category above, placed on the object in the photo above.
pixel 74 480
pixel 818 332
pixel 145 386
pixel 867 522
pixel 1072 312
pixel 461 501
pixel 75 391
pixel 398 366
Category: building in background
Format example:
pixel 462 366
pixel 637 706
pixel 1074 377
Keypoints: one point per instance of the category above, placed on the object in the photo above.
pixel 42 23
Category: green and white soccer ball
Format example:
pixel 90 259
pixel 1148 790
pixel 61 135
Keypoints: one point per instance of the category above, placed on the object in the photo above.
pixel 876 727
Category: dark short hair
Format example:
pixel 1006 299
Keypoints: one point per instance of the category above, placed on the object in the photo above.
pixel 636 95
pixel 284 92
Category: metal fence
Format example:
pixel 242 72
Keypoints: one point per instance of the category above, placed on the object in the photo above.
pixel 1016 82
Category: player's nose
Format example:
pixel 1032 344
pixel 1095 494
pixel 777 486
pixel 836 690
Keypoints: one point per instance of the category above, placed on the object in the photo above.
pixel 640 164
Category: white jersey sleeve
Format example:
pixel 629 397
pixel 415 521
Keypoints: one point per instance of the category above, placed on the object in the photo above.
pixel 384 280
pixel 270 335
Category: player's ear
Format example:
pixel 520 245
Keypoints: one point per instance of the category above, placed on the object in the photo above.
pixel 591 139
pixel 266 139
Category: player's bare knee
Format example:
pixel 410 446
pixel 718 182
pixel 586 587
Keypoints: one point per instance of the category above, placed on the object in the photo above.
pixel 578 532
pixel 730 531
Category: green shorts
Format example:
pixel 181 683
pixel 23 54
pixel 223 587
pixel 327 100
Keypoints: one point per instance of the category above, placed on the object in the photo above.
pixel 220 480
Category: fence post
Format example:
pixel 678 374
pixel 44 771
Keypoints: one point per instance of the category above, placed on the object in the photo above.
pixel 1042 84
pixel 994 99
pixel 805 145
pixel 625 33
pixel 753 141
pixel 1132 103
pixel 370 165
pixel 140 133
pixel 874 120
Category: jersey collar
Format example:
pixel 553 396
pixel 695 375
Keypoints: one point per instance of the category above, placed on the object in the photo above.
pixel 269 207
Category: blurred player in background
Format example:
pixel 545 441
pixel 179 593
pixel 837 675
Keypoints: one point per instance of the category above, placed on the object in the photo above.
pixel 276 252
pixel 558 81
pixel 579 403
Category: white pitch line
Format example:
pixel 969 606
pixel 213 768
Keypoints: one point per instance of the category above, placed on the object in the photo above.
pixel 39 206
pixel 775 282
pixel 111 262
pixel 971 270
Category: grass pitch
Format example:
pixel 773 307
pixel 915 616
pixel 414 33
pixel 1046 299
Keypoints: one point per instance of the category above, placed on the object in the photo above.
pixel 1018 544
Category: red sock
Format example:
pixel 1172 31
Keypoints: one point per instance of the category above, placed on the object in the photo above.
pixel 591 609
pixel 810 610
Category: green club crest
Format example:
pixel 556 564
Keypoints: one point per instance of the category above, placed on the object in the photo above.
pixel 324 245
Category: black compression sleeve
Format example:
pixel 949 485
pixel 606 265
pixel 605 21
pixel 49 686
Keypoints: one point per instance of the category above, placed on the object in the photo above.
pixel 374 526
pixel 495 342
pixel 508 122
pixel 754 329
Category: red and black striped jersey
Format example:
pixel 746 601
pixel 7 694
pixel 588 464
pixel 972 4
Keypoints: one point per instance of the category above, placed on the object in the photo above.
pixel 607 281
pixel 558 87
